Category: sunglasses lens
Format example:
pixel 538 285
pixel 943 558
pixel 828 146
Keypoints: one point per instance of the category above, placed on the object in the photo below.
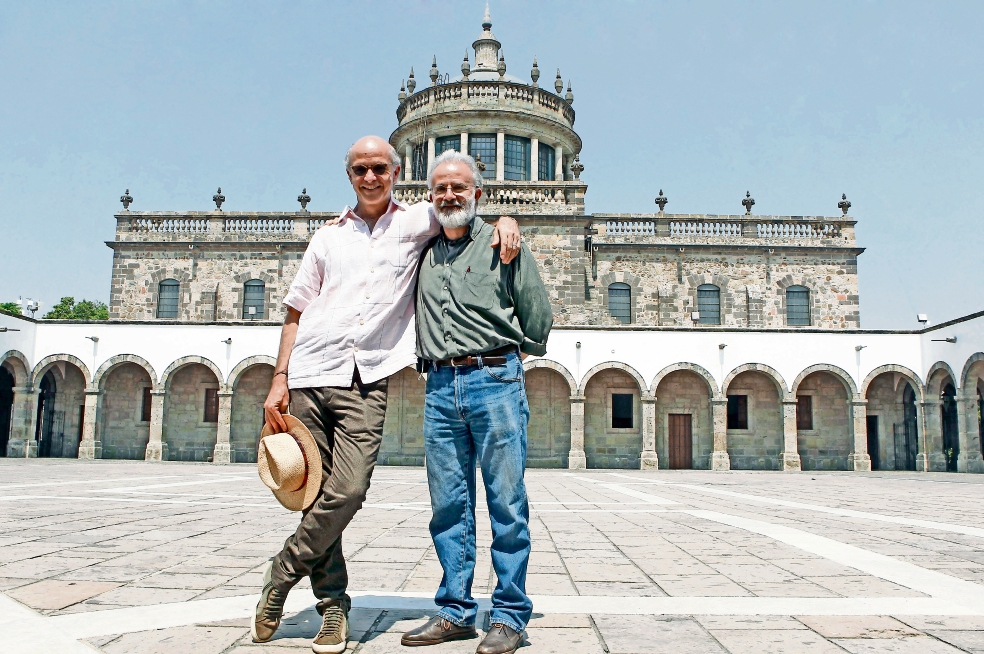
pixel 380 169
pixel 360 170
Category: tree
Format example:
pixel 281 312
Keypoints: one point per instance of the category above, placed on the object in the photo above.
pixel 67 309
pixel 12 308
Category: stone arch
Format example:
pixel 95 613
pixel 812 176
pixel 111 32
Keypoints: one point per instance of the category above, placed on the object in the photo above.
pixel 692 367
pixel 617 365
pixel 114 361
pixel 913 378
pixel 725 295
pixel 806 281
pixel 183 361
pixel 153 285
pixel 624 277
pixel 840 373
pixel 556 367
pixel 931 378
pixel 17 363
pixel 769 372
pixel 270 290
pixel 246 363
pixel 46 363
pixel 965 373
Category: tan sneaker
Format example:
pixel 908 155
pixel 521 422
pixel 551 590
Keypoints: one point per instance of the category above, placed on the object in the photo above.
pixel 333 637
pixel 269 610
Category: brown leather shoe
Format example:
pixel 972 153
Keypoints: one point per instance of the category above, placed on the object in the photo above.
pixel 437 630
pixel 500 640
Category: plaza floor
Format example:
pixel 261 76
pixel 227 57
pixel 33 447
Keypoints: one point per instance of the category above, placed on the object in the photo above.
pixel 135 557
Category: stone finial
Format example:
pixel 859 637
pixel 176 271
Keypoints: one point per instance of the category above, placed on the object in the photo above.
pixel 403 92
pixel 218 199
pixel 465 67
pixel 577 167
pixel 748 203
pixel 304 198
pixel 535 73
pixel 433 72
pixel 127 200
pixel 502 65
pixel 844 204
pixel 487 20
pixel 559 83
pixel 570 96
pixel 411 83
pixel 478 162
pixel 662 201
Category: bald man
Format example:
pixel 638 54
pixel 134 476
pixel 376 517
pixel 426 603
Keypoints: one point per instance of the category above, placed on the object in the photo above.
pixel 349 326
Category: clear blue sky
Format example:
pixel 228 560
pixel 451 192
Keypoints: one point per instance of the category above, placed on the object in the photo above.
pixel 797 102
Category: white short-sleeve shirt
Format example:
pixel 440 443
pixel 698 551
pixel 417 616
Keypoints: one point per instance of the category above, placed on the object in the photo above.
pixel 355 291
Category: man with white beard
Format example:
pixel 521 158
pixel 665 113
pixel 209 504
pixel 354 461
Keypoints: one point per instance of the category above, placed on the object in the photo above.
pixel 476 319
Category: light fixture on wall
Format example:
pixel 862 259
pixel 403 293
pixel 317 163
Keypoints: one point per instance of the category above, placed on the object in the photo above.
pixel 922 318
pixel 695 317
pixel 858 348
pixel 227 341
pixel 578 345
pixel 8 329
pixel 721 346
pixel 94 339
pixel 948 339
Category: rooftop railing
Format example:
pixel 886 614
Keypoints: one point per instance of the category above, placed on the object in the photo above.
pixel 483 92
pixel 692 228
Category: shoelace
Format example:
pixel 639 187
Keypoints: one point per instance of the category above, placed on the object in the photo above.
pixel 274 606
pixel 332 624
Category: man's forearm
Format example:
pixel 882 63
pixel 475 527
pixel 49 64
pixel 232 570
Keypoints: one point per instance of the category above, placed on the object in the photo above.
pixel 287 337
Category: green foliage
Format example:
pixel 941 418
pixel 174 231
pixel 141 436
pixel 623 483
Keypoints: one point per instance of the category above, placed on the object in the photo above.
pixel 67 309
pixel 12 308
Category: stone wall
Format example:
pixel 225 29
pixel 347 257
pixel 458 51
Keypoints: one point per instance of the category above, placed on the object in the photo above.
pixel 247 412
pixel 123 434
pixel 829 444
pixel 186 435
pixel 885 401
pixel 549 431
pixel 403 430
pixel 604 446
pixel 758 447
pixel 685 392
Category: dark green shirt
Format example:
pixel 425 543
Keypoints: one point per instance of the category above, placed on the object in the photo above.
pixel 469 302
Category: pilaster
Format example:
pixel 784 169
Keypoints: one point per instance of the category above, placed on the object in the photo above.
pixel 534 159
pixel 558 163
pixel 431 153
pixel 464 143
pixel 500 156
pixel 577 459
pixel 23 422
pixel 969 458
pixel 222 452
pixel 408 163
pixel 933 435
pixel 720 460
pixel 859 459
pixel 91 445
pixel 790 449
pixel 649 459
pixel 156 448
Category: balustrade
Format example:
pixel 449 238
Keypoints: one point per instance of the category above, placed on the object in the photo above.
pixel 796 230
pixel 704 229
pixel 171 225
pixel 259 225
pixel 735 228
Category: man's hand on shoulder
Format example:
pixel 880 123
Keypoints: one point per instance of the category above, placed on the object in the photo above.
pixel 507 237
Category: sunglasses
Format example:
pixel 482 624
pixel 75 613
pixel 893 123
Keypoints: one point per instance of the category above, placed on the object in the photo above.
pixel 377 170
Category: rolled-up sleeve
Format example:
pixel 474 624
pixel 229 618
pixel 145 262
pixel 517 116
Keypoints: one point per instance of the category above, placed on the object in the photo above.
pixel 532 304
pixel 310 276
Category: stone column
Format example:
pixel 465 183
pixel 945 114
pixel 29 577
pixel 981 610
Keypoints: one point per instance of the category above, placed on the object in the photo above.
pixel 91 445
pixel 408 163
pixel 23 422
pixel 156 448
pixel 223 451
pixel 500 156
pixel 859 460
pixel 719 421
pixel 969 457
pixel 431 153
pixel 534 160
pixel 558 163
pixel 216 225
pixel 577 460
pixel 933 436
pixel 790 449
pixel 464 143
pixel 922 458
pixel 650 460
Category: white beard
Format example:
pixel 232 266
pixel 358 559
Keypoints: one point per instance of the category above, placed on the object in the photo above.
pixel 452 217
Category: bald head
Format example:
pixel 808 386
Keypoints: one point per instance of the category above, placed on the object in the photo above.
pixel 372 146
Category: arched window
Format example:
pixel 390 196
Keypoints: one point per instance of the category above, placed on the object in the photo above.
pixel 253 295
pixel 620 302
pixel 798 306
pixel 517 155
pixel 546 162
pixel 167 298
pixel 447 143
pixel 484 146
pixel 709 304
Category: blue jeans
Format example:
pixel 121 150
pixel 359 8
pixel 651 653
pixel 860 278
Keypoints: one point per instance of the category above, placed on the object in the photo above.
pixel 479 413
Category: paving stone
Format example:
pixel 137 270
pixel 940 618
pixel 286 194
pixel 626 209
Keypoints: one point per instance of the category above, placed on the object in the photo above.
pixel 773 641
pixel 972 641
pixel 52 595
pixel 200 640
pixel 638 634
pixel 914 645
pixel 853 626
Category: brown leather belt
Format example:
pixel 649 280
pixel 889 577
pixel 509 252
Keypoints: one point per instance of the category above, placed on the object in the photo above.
pixel 490 358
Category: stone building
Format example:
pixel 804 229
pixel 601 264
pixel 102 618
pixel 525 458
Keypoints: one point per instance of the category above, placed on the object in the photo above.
pixel 680 340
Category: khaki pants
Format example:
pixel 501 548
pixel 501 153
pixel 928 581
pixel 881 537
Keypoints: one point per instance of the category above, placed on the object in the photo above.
pixel 347 423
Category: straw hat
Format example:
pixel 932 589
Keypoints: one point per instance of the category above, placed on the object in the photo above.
pixel 289 464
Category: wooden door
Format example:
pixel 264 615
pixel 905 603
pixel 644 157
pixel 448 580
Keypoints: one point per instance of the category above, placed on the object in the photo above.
pixel 680 441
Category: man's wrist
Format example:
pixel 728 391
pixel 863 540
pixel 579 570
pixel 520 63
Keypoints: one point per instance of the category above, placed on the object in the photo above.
pixel 280 372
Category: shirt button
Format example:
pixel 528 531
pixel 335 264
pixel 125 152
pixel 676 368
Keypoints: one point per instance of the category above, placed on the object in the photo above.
pixel 445 288
pixel 356 348
pixel 372 270
pixel 367 297
pixel 372 245
pixel 445 311
pixel 362 322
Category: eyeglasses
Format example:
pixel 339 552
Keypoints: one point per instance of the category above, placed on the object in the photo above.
pixel 457 189
pixel 377 170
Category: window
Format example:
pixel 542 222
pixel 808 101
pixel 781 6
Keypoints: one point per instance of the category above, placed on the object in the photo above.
pixel 622 411
pixel 517 158
pixel 620 302
pixel 737 412
pixel 167 298
pixel 253 296
pixel 418 162
pixel 211 405
pixel 483 145
pixel 145 406
pixel 797 305
pixel 709 304
pixel 447 143
pixel 804 412
pixel 547 163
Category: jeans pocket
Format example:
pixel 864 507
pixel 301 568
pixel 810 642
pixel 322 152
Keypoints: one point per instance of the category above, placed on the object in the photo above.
pixel 505 373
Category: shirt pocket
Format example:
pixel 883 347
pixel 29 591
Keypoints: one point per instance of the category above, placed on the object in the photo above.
pixel 478 290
